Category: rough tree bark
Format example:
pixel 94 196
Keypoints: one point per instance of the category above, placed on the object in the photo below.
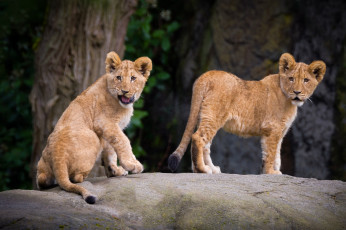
pixel 71 55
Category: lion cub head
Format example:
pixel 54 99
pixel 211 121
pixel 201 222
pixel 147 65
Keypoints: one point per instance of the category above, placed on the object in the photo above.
pixel 126 79
pixel 299 80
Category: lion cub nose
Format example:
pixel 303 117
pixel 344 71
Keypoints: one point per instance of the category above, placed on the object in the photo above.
pixel 124 92
pixel 297 92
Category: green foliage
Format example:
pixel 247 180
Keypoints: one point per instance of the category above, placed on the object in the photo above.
pixel 148 34
pixel 19 21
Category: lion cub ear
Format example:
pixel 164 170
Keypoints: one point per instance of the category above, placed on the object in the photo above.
pixel 318 69
pixel 286 62
pixel 144 66
pixel 112 62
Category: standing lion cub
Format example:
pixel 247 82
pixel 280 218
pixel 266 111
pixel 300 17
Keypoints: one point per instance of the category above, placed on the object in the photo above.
pixel 263 108
pixel 92 123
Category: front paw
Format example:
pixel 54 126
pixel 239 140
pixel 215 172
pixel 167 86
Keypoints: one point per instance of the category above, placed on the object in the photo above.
pixel 133 166
pixel 121 171
pixel 112 171
pixel 138 168
pixel 216 170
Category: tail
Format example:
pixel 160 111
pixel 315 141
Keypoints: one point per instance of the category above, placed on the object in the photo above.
pixel 197 98
pixel 62 177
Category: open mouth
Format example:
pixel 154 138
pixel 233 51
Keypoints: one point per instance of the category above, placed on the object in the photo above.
pixel 126 100
pixel 296 99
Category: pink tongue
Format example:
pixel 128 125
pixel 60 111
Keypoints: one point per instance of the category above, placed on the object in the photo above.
pixel 125 99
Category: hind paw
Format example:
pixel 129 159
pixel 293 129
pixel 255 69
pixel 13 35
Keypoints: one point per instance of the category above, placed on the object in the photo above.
pixel 43 181
pixel 206 170
pixel 79 178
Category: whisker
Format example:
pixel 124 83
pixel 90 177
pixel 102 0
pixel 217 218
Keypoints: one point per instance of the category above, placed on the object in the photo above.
pixel 310 100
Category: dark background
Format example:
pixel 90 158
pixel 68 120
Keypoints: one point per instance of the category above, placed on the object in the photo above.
pixel 50 51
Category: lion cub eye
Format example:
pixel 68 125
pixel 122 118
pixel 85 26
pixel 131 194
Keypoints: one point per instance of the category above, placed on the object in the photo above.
pixel 119 78
pixel 306 80
pixel 133 78
pixel 291 79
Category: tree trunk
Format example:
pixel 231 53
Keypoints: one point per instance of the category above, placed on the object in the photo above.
pixel 70 57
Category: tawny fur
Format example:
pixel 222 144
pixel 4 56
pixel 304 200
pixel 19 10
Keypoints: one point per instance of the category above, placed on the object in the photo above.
pixel 263 108
pixel 93 123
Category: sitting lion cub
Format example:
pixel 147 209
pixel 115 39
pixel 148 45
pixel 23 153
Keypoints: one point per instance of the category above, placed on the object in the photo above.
pixel 263 108
pixel 94 122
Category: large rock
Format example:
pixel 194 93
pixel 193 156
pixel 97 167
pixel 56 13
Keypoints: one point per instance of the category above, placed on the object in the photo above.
pixel 182 201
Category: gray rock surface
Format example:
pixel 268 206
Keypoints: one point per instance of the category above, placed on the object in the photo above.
pixel 182 201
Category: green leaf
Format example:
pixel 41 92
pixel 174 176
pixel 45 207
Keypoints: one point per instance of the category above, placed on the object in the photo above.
pixel 162 75
pixel 130 48
pixel 138 150
pixel 139 114
pixel 158 33
pixel 173 27
pixel 139 104
pixel 165 45
pixel 150 84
